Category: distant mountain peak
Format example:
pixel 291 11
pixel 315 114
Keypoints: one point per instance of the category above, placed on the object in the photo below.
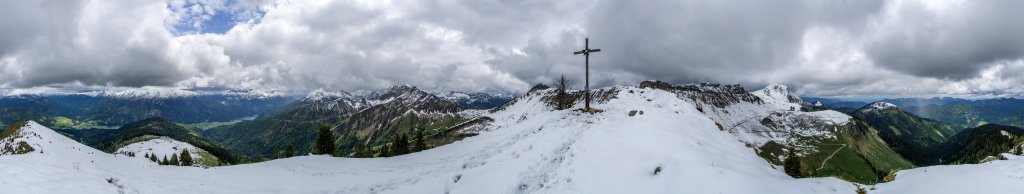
pixel 253 93
pixel 321 94
pixel 403 87
pixel 777 87
pixel 779 92
pixel 538 87
pixel 149 92
pixel 881 106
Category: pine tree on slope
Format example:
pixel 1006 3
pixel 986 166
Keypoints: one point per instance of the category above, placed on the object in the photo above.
pixel 289 151
pixel 174 160
pixel 420 143
pixel 186 158
pixel 324 141
pixel 792 164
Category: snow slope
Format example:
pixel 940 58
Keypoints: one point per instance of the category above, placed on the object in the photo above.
pixel 741 113
pixel 162 147
pixel 1001 176
pixel 529 149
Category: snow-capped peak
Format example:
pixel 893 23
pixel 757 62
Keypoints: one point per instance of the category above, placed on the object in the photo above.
pixel 164 147
pixel 43 91
pixel 777 87
pixel 253 93
pixel 149 92
pixel 43 140
pixel 881 106
pixel 321 94
pixel 778 92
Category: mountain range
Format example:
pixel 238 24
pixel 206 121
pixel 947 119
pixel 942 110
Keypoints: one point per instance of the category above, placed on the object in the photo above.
pixel 867 145
pixel 691 135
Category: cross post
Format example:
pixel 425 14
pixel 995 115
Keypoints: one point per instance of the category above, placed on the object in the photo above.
pixel 586 55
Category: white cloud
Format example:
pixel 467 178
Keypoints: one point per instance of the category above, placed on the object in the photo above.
pixel 833 48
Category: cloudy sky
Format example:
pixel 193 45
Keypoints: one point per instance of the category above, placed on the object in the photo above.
pixel 838 48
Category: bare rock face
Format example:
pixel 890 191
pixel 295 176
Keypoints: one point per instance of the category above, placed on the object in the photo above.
pixel 715 94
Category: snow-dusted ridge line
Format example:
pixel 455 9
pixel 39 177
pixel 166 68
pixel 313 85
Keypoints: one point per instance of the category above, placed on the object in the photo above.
pixel 140 92
pixel 529 148
pixel 321 94
pixel 881 106
pixel 163 147
pixel 150 92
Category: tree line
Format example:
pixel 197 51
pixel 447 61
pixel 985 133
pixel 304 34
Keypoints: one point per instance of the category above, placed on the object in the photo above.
pixel 400 143
pixel 185 159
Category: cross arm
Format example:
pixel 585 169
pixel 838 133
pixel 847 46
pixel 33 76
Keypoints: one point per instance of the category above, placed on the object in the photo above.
pixel 578 52
pixel 594 50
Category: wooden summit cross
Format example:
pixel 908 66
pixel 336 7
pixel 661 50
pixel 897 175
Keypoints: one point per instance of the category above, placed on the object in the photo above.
pixel 586 54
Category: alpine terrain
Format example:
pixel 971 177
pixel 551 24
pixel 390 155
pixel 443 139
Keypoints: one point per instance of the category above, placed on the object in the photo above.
pixel 649 139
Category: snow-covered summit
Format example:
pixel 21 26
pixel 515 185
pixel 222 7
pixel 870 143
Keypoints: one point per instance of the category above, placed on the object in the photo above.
pixel 251 93
pixel 477 100
pixel 165 147
pixel 43 140
pixel 148 92
pixel 881 106
pixel 44 91
pixel 758 117
pixel 324 95
pixel 528 148
pixel 672 147
pixel 778 92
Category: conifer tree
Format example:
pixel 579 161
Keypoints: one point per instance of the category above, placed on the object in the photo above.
pixel 289 151
pixel 174 160
pixel 405 144
pixel 420 143
pixel 561 97
pixel 361 151
pixel 384 151
pixel 164 161
pixel 391 148
pixel 399 145
pixel 324 141
pixel 395 150
pixel 152 157
pixel 792 164
pixel 186 158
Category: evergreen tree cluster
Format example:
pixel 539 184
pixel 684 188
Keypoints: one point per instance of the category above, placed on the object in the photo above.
pixel 185 159
pixel 792 164
pixel 361 151
pixel 399 145
pixel 289 151
pixel 420 143
pixel 324 141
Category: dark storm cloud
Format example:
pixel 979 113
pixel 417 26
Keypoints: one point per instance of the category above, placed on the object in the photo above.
pixel 686 41
pixel 897 47
pixel 92 44
pixel 955 42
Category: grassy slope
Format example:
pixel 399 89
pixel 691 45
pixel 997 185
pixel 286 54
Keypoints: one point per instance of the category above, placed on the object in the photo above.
pixel 138 131
pixel 857 154
pixel 974 144
pixel 915 138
